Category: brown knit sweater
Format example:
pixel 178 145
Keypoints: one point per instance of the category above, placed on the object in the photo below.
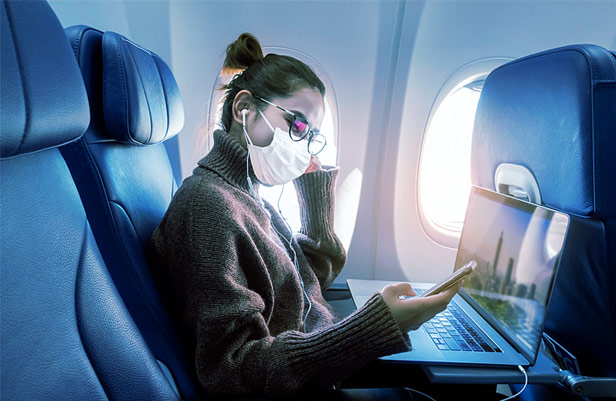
pixel 231 284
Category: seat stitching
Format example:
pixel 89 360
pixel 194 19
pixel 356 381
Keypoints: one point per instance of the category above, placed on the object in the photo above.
pixel 167 108
pixel 78 275
pixel 106 62
pixel 130 53
pixel 147 299
pixel 21 78
pixel 75 45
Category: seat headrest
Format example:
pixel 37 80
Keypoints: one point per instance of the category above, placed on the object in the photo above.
pixel 43 98
pixel 549 112
pixel 141 99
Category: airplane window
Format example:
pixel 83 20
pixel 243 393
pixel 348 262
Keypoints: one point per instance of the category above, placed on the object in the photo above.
pixel 329 128
pixel 444 172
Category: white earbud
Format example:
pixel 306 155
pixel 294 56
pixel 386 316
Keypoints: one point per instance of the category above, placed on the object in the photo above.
pixel 251 188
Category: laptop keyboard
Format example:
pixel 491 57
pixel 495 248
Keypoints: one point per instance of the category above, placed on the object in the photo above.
pixel 452 331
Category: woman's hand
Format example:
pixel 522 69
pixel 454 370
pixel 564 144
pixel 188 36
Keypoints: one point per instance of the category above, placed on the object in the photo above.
pixel 315 165
pixel 411 313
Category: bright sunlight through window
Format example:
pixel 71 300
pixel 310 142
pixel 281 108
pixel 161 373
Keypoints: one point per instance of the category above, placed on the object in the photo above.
pixel 445 169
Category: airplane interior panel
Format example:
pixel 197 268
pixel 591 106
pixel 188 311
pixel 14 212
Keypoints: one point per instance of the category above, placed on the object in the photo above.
pixel 421 101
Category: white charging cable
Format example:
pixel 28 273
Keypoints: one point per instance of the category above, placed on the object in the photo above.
pixel 521 368
pixel 419 392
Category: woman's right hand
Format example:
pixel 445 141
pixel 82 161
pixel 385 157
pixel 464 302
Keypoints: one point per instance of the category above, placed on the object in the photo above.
pixel 411 313
pixel 315 165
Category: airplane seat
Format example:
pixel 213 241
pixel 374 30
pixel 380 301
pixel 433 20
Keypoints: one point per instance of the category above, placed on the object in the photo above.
pixel 65 331
pixel 124 176
pixel 125 181
pixel 545 131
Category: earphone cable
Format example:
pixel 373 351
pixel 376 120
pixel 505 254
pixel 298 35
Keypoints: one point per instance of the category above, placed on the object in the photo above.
pixel 289 241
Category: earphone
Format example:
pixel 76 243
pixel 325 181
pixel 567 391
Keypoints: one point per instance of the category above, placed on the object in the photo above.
pixel 251 188
pixel 289 241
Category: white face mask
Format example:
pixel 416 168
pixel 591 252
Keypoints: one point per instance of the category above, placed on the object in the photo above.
pixel 281 161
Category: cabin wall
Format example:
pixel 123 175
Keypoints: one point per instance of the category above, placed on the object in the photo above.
pixel 388 61
pixel 450 36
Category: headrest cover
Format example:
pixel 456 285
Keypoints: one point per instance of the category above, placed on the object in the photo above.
pixel 549 112
pixel 43 98
pixel 141 100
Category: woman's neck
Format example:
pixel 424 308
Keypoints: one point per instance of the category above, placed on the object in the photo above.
pixel 236 132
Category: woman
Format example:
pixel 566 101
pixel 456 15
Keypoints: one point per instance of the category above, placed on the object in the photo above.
pixel 246 292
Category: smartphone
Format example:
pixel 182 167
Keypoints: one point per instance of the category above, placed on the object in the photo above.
pixel 453 279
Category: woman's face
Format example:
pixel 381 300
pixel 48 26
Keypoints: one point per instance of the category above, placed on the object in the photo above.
pixel 307 103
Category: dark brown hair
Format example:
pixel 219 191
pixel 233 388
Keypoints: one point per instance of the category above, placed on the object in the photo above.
pixel 268 77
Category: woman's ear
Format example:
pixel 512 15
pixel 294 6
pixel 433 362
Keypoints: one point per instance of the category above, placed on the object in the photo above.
pixel 242 101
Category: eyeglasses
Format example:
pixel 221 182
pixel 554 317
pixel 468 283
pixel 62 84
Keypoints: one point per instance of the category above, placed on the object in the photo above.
pixel 300 130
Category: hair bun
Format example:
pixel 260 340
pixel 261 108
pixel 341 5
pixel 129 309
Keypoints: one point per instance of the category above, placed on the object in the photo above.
pixel 242 53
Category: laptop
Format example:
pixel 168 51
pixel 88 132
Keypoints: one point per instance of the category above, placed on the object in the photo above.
pixel 498 317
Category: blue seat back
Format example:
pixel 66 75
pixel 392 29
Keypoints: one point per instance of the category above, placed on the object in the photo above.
pixel 65 331
pixel 554 113
pixel 124 177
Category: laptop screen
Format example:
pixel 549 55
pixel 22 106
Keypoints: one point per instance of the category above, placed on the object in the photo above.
pixel 517 247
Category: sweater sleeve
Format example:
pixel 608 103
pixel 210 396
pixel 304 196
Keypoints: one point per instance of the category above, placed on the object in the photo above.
pixel 239 354
pixel 323 249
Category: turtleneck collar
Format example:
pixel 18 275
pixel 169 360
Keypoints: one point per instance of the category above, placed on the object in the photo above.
pixel 228 159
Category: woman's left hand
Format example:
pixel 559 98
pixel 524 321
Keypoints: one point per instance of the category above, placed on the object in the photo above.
pixel 315 165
